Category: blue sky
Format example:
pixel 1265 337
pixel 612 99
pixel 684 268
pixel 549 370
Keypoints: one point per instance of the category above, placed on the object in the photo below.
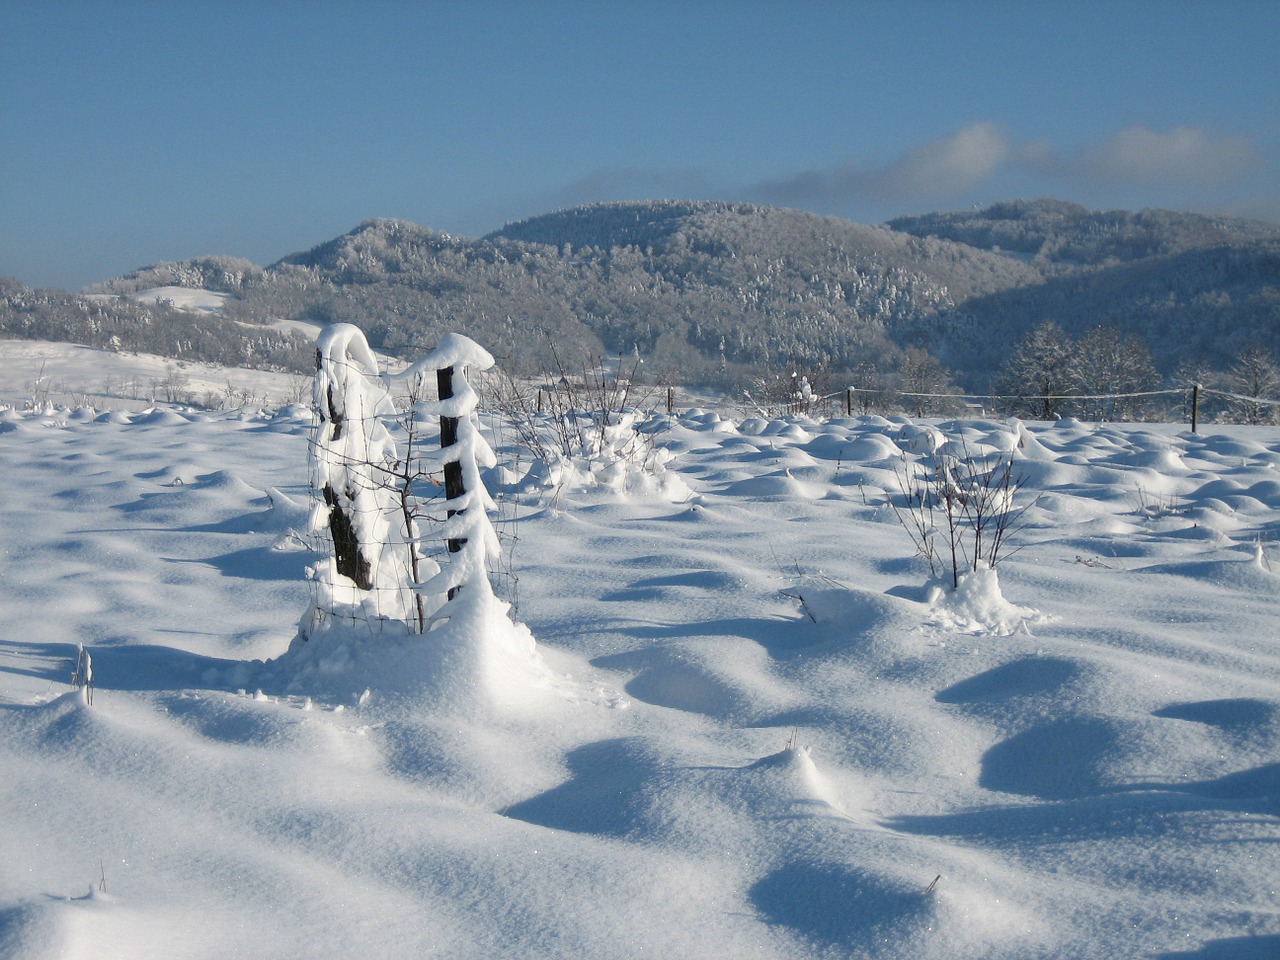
pixel 134 132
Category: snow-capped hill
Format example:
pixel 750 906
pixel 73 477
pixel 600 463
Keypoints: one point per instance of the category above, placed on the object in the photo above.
pixel 373 250
pixel 721 293
pixel 1067 235
pixel 217 273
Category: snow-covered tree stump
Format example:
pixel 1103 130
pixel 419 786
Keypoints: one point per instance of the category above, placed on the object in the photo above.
pixel 356 509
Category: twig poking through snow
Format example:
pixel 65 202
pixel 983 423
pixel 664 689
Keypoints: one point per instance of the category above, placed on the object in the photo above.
pixel 1093 562
pixel 82 675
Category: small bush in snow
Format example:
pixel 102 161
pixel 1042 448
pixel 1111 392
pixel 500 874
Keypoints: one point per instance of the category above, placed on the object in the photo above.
pixel 959 508
pixel 801 392
pixel 583 430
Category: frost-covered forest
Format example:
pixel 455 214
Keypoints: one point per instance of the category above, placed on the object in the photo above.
pixel 727 294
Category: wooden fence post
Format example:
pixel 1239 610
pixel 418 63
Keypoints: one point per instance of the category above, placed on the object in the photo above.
pixel 1195 406
pixel 453 485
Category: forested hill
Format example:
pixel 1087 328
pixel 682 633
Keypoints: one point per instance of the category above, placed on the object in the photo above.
pixel 704 291
pixel 717 292
pixel 1196 289
pixel 1055 235
pixel 724 241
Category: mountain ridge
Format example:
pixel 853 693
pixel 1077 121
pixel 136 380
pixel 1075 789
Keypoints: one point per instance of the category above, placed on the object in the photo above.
pixel 714 291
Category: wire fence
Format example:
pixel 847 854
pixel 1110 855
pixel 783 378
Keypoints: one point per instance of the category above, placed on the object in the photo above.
pixel 1190 396
pixel 1013 398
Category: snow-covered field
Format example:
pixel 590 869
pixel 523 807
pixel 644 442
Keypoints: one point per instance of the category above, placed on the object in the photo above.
pixel 36 372
pixel 758 733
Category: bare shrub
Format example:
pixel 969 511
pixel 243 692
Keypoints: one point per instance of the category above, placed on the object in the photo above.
pixel 959 508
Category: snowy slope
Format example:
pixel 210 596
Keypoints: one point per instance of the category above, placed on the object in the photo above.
pixel 185 298
pixel 758 734
pixel 39 372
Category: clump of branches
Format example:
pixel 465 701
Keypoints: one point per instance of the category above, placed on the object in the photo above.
pixel 800 392
pixel 959 508
pixel 590 420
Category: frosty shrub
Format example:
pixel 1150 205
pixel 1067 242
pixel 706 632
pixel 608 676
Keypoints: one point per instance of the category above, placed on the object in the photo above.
pixel 583 430
pixel 801 392
pixel 959 508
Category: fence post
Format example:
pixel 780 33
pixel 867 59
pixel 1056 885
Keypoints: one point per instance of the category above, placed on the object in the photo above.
pixel 453 485
pixel 1195 406
pixel 848 401
pixel 671 400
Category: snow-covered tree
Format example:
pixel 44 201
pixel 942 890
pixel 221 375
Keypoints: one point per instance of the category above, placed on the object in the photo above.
pixel 1039 370
pixel 1104 364
pixel 1254 381
pixel 920 375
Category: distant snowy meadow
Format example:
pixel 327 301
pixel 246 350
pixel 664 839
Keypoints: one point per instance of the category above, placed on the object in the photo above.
pixel 753 724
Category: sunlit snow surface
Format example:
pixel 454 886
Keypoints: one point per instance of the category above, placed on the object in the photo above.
pixel 757 732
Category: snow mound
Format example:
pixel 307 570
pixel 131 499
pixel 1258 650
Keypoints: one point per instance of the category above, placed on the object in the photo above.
pixel 1255 574
pixel 782 782
pixel 160 418
pixel 775 486
pixel 977 606
pixel 476 660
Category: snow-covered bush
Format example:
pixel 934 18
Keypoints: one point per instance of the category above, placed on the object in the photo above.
pixel 797 393
pixel 959 507
pixel 585 431
pixel 977 605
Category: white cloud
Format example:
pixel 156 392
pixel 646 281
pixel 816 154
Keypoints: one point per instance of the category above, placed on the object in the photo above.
pixel 1182 155
pixel 950 164
pixel 1182 168
pixel 940 168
